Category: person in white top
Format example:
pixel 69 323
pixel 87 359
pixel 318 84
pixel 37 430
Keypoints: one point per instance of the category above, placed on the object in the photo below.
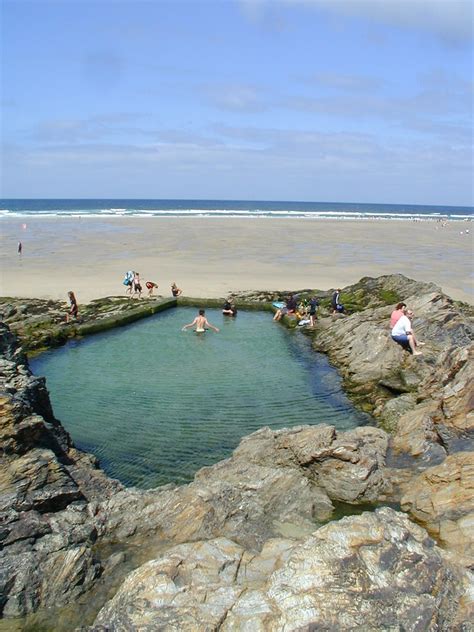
pixel 403 333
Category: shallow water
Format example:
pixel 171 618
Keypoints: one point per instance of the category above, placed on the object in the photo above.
pixel 155 404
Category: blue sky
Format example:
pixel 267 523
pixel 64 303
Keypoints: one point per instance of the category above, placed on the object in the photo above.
pixel 317 100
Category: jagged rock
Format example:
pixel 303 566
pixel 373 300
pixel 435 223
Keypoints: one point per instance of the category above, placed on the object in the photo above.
pixel 63 521
pixel 276 483
pixel 377 571
pixel 442 500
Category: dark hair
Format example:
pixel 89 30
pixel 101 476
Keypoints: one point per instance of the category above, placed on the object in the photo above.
pixel 202 312
pixel 400 305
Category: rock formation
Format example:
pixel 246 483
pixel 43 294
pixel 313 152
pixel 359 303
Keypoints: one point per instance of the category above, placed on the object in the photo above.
pixel 246 544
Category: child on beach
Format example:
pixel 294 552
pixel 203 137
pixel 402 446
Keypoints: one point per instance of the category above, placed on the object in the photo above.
pixel 201 323
pixel 73 310
pixel 150 286
pixel 175 290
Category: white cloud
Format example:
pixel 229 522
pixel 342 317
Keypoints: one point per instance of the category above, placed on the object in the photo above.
pixel 450 20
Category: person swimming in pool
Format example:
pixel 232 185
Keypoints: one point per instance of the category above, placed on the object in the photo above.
pixel 201 323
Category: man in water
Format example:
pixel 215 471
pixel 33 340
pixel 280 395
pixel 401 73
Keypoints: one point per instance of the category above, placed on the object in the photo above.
pixel 201 323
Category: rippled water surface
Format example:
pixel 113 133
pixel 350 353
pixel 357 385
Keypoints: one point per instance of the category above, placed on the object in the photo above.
pixel 155 404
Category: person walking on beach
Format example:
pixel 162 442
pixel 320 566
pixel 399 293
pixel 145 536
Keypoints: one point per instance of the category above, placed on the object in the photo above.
pixel 150 286
pixel 201 323
pixel 128 281
pixel 403 334
pixel 175 290
pixel 20 248
pixel 137 287
pixel 73 309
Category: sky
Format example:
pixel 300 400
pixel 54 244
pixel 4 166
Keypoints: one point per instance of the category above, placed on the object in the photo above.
pixel 307 100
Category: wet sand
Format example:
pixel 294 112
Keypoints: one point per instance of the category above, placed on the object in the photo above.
pixel 210 257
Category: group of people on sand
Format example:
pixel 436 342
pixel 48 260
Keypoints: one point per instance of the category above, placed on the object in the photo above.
pixel 133 284
pixel 402 329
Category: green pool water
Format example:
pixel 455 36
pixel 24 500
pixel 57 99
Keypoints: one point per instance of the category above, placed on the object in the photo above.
pixel 155 404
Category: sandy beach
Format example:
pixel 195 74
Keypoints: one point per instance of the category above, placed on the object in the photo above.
pixel 210 257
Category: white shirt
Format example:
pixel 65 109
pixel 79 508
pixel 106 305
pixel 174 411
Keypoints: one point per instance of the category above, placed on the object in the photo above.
pixel 402 326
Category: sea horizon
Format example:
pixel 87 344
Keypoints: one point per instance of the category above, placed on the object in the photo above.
pixel 189 207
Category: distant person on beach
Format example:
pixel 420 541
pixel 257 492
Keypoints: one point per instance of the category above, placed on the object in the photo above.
pixel 73 308
pixel 313 308
pixel 128 281
pixel 403 334
pixel 175 290
pixel 201 323
pixel 137 286
pixel 337 307
pixel 398 312
pixel 150 286
pixel 20 247
pixel 229 309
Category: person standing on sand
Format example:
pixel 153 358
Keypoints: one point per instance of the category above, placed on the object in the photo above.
pixel 175 290
pixel 73 310
pixel 20 248
pixel 137 287
pixel 403 334
pixel 128 281
pixel 201 323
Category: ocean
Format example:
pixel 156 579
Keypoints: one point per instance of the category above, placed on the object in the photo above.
pixel 228 208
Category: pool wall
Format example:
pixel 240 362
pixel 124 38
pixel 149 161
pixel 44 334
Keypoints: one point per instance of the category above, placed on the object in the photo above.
pixel 148 309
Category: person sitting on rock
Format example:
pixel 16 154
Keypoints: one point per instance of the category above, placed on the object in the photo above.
pixel 398 312
pixel 289 308
pixel 403 334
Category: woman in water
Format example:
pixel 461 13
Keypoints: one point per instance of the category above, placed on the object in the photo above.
pixel 201 323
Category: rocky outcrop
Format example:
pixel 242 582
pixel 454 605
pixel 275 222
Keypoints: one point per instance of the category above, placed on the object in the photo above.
pixel 392 383
pixel 246 544
pixel 375 572
pixel 46 487
pixel 442 500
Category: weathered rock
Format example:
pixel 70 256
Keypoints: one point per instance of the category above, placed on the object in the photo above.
pixel 63 522
pixel 442 500
pixel 377 571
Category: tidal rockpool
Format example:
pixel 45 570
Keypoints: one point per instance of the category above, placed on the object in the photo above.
pixel 155 404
